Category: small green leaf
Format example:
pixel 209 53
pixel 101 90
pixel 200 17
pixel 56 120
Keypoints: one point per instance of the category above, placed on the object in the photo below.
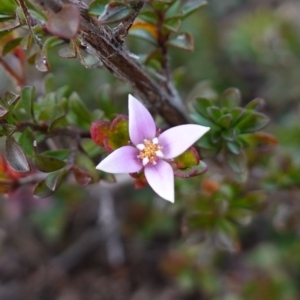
pixel 84 162
pixel 26 142
pixel 54 179
pixel 252 122
pixel 191 171
pixel 201 105
pixel 231 98
pixel 115 11
pixel 237 162
pixel 234 147
pixel 47 163
pixel 3 111
pixel 8 7
pixel 191 6
pixel 260 141
pixel 215 113
pixel 255 104
pixel 187 159
pixel 229 134
pixel 172 24
pixel 236 114
pixel 11 98
pixel 206 143
pixel 10 45
pixel 203 121
pixel 97 7
pixel 60 154
pixel 15 156
pixel 182 41
pixel 78 114
pixel 42 190
pixel 7 129
pixel 68 51
pixel 225 121
pixel 24 108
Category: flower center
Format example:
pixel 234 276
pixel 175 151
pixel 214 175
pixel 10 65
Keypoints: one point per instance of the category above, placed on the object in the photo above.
pixel 150 151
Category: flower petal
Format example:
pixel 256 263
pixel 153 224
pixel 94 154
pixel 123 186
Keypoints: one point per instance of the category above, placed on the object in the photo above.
pixel 122 160
pixel 161 178
pixel 177 139
pixel 141 123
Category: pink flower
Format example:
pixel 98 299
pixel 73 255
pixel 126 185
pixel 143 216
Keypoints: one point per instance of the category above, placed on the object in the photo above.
pixel 149 152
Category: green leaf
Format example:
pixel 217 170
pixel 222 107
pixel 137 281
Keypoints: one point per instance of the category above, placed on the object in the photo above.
pixel 47 163
pixel 214 113
pixel 234 147
pixel 42 190
pixel 182 41
pixel 24 108
pixel 105 100
pixel 115 11
pixel 203 121
pixel 60 154
pixel 26 142
pixel 191 6
pixel 201 105
pixel 252 122
pixel 255 104
pixel 260 141
pixel 187 159
pixel 197 170
pixel 68 51
pixel 8 7
pixel 3 111
pixel 11 98
pixel 172 24
pixel 225 121
pixel 236 114
pixel 10 45
pixel 15 156
pixel 97 7
pixel 78 114
pixel 229 134
pixel 84 163
pixel 205 141
pixel 7 129
pixel 54 179
pixel 237 162
pixel 231 98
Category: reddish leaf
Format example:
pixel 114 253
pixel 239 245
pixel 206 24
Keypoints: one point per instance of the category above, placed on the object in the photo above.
pixel 15 156
pixel 99 131
pixel 65 23
pixel 82 177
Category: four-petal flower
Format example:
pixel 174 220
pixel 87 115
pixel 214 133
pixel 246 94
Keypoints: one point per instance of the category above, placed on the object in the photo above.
pixel 150 152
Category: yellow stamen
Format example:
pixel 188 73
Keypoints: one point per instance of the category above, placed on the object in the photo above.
pixel 150 151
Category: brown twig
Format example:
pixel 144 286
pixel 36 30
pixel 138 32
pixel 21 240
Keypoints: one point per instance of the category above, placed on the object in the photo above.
pixel 119 61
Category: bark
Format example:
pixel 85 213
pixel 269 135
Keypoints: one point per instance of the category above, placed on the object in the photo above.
pixel 108 46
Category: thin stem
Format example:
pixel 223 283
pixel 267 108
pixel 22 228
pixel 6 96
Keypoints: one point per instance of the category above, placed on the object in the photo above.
pixel 28 21
pixel 11 72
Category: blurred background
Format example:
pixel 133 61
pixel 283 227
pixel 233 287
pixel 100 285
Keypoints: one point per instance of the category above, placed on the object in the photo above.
pixel 111 241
